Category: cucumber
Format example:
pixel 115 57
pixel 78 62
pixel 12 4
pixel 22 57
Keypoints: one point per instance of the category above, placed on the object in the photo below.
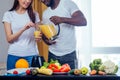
pixel 34 72
pixel 71 71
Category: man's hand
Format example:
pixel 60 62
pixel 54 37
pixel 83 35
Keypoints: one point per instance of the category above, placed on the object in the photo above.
pixel 47 41
pixel 56 20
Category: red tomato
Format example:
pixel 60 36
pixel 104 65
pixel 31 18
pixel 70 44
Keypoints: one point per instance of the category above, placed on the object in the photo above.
pixel 53 67
pixel 56 70
pixel 15 72
pixel 28 72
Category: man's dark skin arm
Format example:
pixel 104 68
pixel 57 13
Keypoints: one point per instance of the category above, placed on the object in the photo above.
pixel 76 19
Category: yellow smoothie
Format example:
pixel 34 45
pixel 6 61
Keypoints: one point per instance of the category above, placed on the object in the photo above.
pixel 48 30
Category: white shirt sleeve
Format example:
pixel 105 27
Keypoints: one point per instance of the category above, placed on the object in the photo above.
pixel 72 7
pixel 37 17
pixel 6 17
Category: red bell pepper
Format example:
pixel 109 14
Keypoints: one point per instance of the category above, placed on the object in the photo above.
pixel 65 68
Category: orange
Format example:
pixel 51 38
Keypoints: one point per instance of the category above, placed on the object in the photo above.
pixel 21 63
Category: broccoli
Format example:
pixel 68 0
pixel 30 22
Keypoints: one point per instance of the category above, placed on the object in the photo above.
pixel 95 64
pixel 97 61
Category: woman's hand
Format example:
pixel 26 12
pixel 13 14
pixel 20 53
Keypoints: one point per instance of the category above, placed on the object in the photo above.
pixel 28 25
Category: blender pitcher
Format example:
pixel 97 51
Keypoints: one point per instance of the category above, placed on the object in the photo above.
pixel 49 31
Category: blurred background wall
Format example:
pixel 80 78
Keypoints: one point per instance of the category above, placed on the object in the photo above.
pixel 4 6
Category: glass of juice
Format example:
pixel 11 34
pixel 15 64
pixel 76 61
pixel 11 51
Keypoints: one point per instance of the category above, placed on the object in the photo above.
pixel 37 32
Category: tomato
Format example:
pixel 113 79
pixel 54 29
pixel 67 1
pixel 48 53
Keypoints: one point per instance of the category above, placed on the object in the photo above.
pixel 54 67
pixel 56 70
pixel 28 72
pixel 15 72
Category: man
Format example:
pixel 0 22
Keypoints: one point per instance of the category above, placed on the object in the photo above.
pixel 67 15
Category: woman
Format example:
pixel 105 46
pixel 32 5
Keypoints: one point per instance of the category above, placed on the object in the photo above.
pixel 20 23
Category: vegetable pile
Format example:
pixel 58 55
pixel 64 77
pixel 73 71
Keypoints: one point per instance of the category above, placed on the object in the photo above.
pixel 109 67
pixel 55 66
pixel 102 68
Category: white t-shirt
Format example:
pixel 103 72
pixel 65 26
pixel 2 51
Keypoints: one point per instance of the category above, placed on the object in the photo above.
pixel 25 45
pixel 66 41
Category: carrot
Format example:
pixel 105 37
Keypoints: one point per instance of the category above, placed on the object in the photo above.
pixel 101 73
pixel 93 72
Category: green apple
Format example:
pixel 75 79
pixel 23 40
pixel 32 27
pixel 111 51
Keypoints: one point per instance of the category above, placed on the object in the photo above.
pixel 84 70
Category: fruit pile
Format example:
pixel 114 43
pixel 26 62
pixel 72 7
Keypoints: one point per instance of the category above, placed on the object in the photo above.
pixel 46 69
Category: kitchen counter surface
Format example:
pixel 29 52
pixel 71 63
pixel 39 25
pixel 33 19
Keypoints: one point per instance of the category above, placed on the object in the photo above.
pixel 55 77
pixel 61 77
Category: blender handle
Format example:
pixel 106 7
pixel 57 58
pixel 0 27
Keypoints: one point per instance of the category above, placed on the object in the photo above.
pixel 58 29
pixel 55 37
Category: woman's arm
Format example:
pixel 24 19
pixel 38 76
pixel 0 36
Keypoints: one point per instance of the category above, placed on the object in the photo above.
pixel 9 34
